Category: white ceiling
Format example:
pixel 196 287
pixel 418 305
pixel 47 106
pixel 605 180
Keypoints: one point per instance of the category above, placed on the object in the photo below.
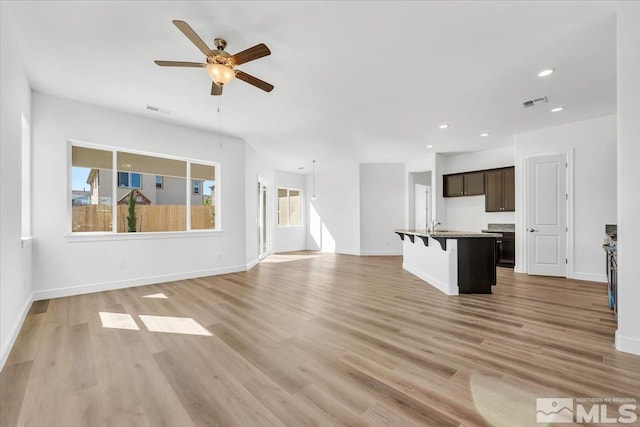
pixel 367 81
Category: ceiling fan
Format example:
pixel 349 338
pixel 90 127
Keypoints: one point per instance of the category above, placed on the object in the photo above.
pixel 220 65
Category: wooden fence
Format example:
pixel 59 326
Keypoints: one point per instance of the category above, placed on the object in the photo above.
pixel 149 218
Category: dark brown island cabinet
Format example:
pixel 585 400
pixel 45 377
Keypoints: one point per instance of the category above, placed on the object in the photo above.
pixel 500 190
pixel 463 184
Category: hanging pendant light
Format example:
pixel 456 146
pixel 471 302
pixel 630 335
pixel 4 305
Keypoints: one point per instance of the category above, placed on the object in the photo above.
pixel 313 182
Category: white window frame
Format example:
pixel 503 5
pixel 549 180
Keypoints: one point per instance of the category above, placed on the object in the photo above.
pixel 113 234
pixel 289 189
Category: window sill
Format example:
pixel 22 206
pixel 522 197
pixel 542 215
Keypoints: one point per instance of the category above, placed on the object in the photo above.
pixel 97 237
pixel 27 241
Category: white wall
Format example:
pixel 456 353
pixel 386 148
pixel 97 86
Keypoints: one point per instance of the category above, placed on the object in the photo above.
pixel 628 197
pixel 593 143
pixel 256 167
pixel 64 266
pixel 288 239
pixel 334 217
pixel 15 261
pixel 382 207
pixel 468 213
pixel 438 201
pixel 420 165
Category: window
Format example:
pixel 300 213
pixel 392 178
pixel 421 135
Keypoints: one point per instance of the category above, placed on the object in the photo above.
pixel 125 201
pixel 203 212
pixel 88 165
pixel 289 207
pixel 129 180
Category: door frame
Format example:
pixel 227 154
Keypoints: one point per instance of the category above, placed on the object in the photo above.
pixel 268 218
pixel 427 207
pixel 569 170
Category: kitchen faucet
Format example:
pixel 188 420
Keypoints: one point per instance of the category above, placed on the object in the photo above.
pixel 434 224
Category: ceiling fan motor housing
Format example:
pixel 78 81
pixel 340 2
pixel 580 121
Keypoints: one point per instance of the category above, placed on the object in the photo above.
pixel 221 44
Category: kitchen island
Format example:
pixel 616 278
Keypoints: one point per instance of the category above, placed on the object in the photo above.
pixel 454 262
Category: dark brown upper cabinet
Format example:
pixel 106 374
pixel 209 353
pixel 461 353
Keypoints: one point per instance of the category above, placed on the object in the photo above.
pixel 463 184
pixel 500 190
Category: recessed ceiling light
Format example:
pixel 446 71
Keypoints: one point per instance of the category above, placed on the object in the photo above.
pixel 429 146
pixel 547 72
pixel 555 110
pixel 444 126
pixel 484 134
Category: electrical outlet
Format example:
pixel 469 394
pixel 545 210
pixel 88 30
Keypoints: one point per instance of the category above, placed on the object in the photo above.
pixel 121 266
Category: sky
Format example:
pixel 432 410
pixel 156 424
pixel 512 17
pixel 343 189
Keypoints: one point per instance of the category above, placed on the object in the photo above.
pixel 79 178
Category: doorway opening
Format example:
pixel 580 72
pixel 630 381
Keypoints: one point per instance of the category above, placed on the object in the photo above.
pixel 262 219
pixel 420 207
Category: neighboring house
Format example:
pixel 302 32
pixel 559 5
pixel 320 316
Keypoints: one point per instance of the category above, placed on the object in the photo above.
pixel 140 198
pixel 80 197
pixel 158 190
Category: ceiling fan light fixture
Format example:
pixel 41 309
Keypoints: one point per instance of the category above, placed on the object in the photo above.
pixel 220 74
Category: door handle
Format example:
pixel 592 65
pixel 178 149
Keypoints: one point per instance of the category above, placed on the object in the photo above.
pixel 531 230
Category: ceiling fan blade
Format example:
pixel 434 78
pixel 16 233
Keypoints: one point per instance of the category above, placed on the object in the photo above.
pixel 191 35
pixel 215 89
pixel 180 64
pixel 258 51
pixel 260 84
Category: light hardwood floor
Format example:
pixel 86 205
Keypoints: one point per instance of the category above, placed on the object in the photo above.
pixel 314 339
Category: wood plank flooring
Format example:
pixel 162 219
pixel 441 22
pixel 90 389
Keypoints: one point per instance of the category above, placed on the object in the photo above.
pixel 314 339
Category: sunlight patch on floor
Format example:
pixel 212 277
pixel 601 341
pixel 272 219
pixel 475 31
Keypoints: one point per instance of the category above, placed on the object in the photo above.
pixel 273 259
pixel 158 295
pixel 173 325
pixel 118 321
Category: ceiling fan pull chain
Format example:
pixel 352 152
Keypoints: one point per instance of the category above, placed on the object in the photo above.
pixel 220 119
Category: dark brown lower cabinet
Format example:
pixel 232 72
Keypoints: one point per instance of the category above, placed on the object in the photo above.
pixel 476 265
pixel 506 250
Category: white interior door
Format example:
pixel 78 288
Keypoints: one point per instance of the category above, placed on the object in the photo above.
pixel 546 232
pixel 421 202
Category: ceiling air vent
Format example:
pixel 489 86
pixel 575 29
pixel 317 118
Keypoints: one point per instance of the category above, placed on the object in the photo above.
pixel 534 102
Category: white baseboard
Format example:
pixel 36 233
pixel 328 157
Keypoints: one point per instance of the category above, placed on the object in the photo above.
pixel 627 344
pixel 348 252
pixel 381 253
pixel 252 264
pixel 439 285
pixel 142 281
pixel 15 330
pixel 602 278
pixel 292 249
